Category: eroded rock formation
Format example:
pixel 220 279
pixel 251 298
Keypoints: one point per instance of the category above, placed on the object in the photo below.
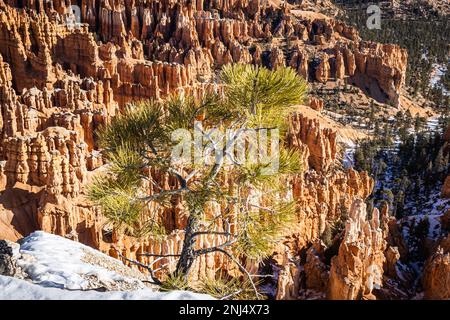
pixel 436 280
pixel 60 81
pixel 358 268
pixel 436 274
pixel 149 49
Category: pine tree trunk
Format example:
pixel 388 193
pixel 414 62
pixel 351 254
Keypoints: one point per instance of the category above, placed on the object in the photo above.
pixel 187 253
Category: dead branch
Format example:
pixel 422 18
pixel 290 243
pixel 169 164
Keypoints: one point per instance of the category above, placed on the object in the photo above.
pixel 150 270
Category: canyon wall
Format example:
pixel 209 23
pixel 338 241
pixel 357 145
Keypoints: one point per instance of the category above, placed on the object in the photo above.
pixel 60 81
pixel 149 49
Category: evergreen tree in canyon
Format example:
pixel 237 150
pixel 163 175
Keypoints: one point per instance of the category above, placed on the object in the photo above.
pixel 254 206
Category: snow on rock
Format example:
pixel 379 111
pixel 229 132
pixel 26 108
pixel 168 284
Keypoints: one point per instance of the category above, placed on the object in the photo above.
pixel 57 268
pixel 53 261
pixel 16 289
pixel 348 160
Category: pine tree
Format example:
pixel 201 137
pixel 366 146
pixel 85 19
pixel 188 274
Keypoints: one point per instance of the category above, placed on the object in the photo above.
pixel 418 123
pixel 139 142
pixel 440 163
pixel 327 236
pixel 388 196
pixel 420 232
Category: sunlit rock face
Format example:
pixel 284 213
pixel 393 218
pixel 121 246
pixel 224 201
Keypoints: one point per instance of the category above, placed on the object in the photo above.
pixel 358 267
pixel 436 278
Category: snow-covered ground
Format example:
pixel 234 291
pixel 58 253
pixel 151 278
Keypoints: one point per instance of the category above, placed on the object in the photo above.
pixel 17 289
pixel 348 160
pixel 57 268
pixel 433 123
pixel 53 261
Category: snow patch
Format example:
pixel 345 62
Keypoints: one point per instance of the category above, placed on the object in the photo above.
pixel 16 289
pixel 58 268
pixel 53 261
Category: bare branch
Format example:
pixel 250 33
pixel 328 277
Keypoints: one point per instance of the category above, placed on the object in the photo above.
pixel 232 294
pixel 242 269
pixel 193 173
pixel 213 249
pixel 223 233
pixel 182 181
pixel 150 179
pixel 150 270
pixel 164 266
pixel 161 194
pixel 157 255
